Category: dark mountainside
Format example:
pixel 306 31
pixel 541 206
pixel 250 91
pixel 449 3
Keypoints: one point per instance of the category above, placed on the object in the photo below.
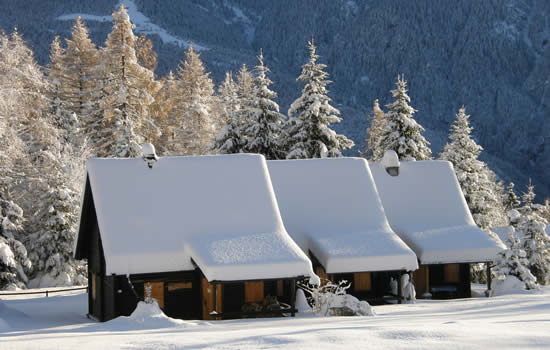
pixel 492 56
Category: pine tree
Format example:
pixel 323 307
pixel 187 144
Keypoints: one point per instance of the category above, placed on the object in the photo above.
pixel 229 139
pixel 195 126
pixel 263 127
pixel 401 132
pixel 476 180
pixel 511 200
pixel 513 262
pixel 536 242
pixel 14 264
pixel 376 126
pixel 127 94
pixel 309 132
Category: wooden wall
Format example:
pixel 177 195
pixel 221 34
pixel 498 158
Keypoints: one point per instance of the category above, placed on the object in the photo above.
pixel 208 299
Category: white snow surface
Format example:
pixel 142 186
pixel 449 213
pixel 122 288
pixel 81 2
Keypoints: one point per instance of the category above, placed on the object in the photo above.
pixel 219 211
pixel 426 208
pixel 142 22
pixel 511 321
pixel 331 207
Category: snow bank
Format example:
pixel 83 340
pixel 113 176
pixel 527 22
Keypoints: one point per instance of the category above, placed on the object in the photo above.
pixel 219 211
pixel 426 208
pixel 330 207
pixel 509 285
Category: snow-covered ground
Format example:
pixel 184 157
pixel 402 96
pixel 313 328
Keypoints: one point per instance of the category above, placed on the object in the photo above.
pixel 512 321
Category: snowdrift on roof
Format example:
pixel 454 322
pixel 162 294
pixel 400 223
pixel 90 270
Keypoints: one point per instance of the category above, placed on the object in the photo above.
pixel 216 211
pixel 425 206
pixel 330 207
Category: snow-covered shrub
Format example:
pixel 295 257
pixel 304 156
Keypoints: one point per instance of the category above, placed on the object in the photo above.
pixel 513 262
pixel 536 242
pixel 51 248
pixel 14 264
pixel 330 299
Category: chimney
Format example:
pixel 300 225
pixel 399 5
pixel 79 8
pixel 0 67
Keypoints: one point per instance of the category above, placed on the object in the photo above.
pixel 149 155
pixel 390 162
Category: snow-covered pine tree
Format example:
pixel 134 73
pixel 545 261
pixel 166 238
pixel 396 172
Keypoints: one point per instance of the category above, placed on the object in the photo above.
pixel 126 95
pixel 246 103
pixel 376 126
pixel 513 262
pixel 511 200
pixel 195 127
pixel 401 132
pixel 14 264
pixel 308 129
pixel 476 180
pixel 229 139
pixel 51 248
pixel 263 127
pixel 536 242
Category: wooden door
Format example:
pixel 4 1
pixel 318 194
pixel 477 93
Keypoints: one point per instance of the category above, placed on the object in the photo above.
pixel 254 292
pixel 157 292
pixel 362 282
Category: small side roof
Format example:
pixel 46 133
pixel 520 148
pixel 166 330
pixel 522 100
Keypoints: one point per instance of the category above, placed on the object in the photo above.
pixel 330 207
pixel 216 211
pixel 425 206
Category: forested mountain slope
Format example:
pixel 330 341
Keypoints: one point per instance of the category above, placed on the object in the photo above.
pixel 492 56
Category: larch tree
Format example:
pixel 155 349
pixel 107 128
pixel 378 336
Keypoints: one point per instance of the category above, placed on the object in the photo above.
pixel 161 108
pixel 376 126
pixel 127 91
pixel 311 114
pixel 229 139
pixel 195 126
pixel 263 127
pixel 476 180
pixel 402 133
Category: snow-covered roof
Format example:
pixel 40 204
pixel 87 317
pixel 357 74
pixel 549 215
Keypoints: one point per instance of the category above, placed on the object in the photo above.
pixel 219 211
pixel 330 207
pixel 425 206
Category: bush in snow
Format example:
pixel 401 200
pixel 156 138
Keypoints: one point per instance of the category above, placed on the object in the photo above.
pixel 14 264
pixel 330 299
pixel 513 262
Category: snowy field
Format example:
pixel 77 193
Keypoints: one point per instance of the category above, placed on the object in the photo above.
pixel 513 321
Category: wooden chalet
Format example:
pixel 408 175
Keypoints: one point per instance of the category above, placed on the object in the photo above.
pixel 203 234
pixel 426 208
pixel 331 208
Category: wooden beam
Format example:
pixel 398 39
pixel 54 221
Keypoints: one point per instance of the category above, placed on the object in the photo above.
pixel 489 279
pixel 293 297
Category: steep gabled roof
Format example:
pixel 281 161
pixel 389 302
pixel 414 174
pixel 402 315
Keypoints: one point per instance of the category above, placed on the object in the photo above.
pixel 216 211
pixel 331 207
pixel 425 207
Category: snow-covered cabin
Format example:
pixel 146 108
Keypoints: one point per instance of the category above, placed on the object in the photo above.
pixel 199 234
pixel 426 208
pixel 331 208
